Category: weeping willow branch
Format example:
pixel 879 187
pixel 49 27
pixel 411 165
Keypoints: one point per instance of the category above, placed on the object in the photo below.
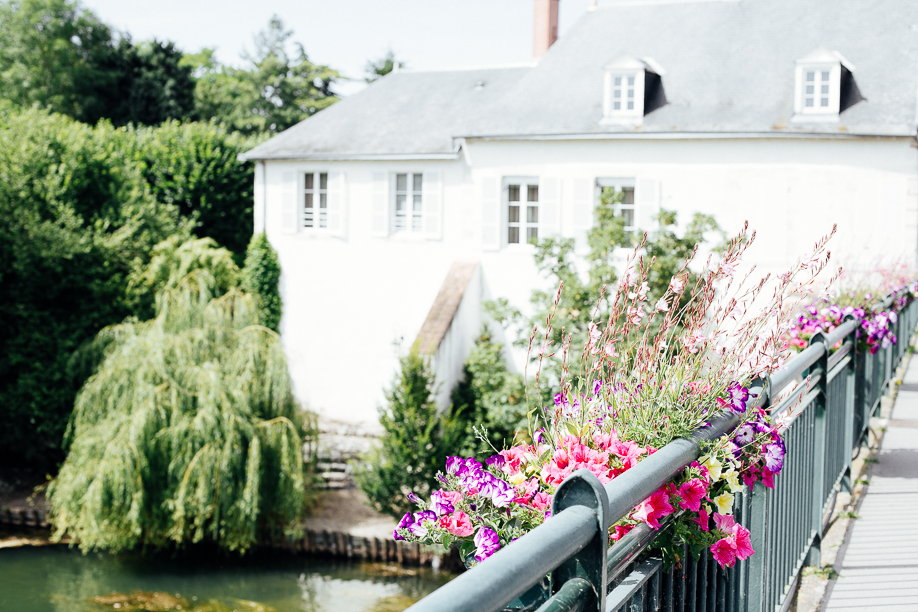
pixel 186 432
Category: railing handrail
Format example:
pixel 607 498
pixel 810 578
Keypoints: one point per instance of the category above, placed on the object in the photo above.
pixel 512 570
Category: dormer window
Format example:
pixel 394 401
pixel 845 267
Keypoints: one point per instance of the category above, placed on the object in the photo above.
pixel 819 78
pixel 623 87
pixel 632 89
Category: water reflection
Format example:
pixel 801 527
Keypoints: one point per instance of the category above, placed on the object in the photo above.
pixel 55 579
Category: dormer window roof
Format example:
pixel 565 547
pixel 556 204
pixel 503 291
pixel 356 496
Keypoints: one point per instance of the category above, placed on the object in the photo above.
pixel 819 76
pixel 632 88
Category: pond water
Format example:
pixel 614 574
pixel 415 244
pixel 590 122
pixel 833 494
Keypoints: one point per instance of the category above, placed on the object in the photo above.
pixel 58 579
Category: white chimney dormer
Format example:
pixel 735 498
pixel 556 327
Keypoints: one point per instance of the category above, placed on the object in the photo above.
pixel 817 85
pixel 631 89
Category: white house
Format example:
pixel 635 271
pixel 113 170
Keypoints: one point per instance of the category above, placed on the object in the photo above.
pixel 397 210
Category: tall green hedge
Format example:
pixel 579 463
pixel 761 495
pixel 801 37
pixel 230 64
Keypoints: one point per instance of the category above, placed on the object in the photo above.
pixel 77 216
pixel 83 208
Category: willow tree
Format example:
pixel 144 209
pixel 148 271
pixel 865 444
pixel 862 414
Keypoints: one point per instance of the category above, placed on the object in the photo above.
pixel 187 432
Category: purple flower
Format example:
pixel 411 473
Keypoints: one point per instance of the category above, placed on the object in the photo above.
pixel 744 435
pixel 402 524
pixel 439 504
pixel 487 542
pixel 597 385
pixel 774 457
pixel 495 460
pixel 414 499
pixel 417 527
pixel 453 464
pixel 558 398
pixel 738 397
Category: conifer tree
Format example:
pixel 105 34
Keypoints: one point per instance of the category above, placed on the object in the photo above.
pixel 416 441
pixel 261 276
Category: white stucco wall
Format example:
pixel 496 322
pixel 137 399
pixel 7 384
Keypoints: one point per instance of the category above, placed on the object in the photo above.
pixel 353 304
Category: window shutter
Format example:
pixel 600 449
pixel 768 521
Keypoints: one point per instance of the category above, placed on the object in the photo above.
pixel 289 208
pixel 337 205
pixel 432 201
pixel 549 206
pixel 490 213
pixel 583 204
pixel 380 216
pixel 646 204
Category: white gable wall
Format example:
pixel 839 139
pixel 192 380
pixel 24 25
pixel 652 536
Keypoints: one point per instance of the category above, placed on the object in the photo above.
pixel 352 304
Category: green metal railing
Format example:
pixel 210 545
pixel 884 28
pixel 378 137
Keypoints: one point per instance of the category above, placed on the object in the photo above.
pixel 787 523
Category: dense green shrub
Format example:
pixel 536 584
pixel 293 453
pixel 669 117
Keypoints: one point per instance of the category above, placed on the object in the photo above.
pixel 416 439
pixel 490 401
pixel 195 167
pixel 77 217
pixel 187 432
pixel 261 276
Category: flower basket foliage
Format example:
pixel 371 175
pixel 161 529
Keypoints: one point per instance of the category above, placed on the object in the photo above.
pixel 652 369
pixel 187 432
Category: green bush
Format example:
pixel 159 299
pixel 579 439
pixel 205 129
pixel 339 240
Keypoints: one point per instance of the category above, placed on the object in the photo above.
pixel 261 276
pixel 77 218
pixel 490 399
pixel 415 442
pixel 195 167
pixel 187 432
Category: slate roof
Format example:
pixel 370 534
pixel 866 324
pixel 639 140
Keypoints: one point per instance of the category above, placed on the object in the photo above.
pixel 403 113
pixel 729 69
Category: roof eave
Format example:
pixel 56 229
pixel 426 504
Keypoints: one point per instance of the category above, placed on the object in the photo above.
pixel 255 156
pixel 687 135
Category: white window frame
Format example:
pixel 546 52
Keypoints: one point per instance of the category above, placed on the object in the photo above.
pixel 526 210
pixel 626 83
pixel 826 86
pixel 318 219
pixel 414 215
pixel 619 184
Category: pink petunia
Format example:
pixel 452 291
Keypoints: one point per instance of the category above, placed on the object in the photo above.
pixel 454 497
pixel 750 477
pixel 541 501
pixel 458 524
pixel 768 478
pixel 703 520
pixel 604 441
pixel 692 492
pixel 629 452
pixel 652 509
pixel 743 542
pixel 621 531
pixel 724 552
pixel 724 522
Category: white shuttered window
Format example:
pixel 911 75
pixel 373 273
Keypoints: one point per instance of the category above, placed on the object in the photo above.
pixel 522 199
pixel 409 203
pixel 315 201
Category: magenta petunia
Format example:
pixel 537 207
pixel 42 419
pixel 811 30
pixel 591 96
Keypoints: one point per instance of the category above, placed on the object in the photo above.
pixel 692 492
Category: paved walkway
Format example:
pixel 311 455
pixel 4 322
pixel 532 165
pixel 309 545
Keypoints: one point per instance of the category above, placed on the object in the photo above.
pixel 878 564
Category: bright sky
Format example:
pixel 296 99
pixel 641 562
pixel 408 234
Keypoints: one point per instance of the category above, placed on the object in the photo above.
pixel 346 33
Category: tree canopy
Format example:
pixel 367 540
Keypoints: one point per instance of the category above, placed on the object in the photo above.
pixel 57 55
pixel 278 87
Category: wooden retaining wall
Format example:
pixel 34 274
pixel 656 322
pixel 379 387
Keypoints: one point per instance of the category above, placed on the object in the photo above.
pixel 319 543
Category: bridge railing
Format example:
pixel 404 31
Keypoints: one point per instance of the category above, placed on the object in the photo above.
pixel 569 556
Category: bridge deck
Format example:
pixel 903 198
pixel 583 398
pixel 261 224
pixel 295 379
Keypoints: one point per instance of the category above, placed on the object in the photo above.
pixel 878 564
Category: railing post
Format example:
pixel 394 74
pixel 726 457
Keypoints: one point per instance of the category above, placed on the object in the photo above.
pixel 582 488
pixel 814 555
pixel 850 408
pixel 753 595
